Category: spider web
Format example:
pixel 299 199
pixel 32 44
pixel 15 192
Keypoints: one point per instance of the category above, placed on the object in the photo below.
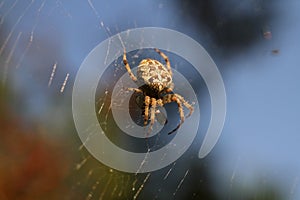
pixel 42 46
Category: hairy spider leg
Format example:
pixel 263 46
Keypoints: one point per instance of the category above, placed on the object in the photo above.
pixel 132 76
pixel 137 90
pixel 152 114
pixel 186 104
pixel 179 100
pixel 146 114
pixel 166 60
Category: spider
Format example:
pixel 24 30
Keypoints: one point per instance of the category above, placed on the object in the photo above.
pixel 157 87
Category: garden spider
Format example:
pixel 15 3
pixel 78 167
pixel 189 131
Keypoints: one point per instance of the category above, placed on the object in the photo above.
pixel 156 86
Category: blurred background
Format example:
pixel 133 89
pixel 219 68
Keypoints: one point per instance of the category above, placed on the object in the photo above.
pixel 255 44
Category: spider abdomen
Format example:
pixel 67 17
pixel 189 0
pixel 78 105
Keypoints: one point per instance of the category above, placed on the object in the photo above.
pixel 154 74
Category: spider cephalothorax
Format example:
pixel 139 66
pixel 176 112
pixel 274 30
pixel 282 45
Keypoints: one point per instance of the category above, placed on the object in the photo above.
pixel 157 87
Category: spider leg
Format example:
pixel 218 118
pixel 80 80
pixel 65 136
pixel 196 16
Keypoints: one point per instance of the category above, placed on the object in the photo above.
pixel 166 60
pixel 146 114
pixel 160 102
pixel 152 114
pixel 135 90
pixel 160 117
pixel 179 100
pixel 186 104
pixel 169 89
pixel 132 76
pixel 172 98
